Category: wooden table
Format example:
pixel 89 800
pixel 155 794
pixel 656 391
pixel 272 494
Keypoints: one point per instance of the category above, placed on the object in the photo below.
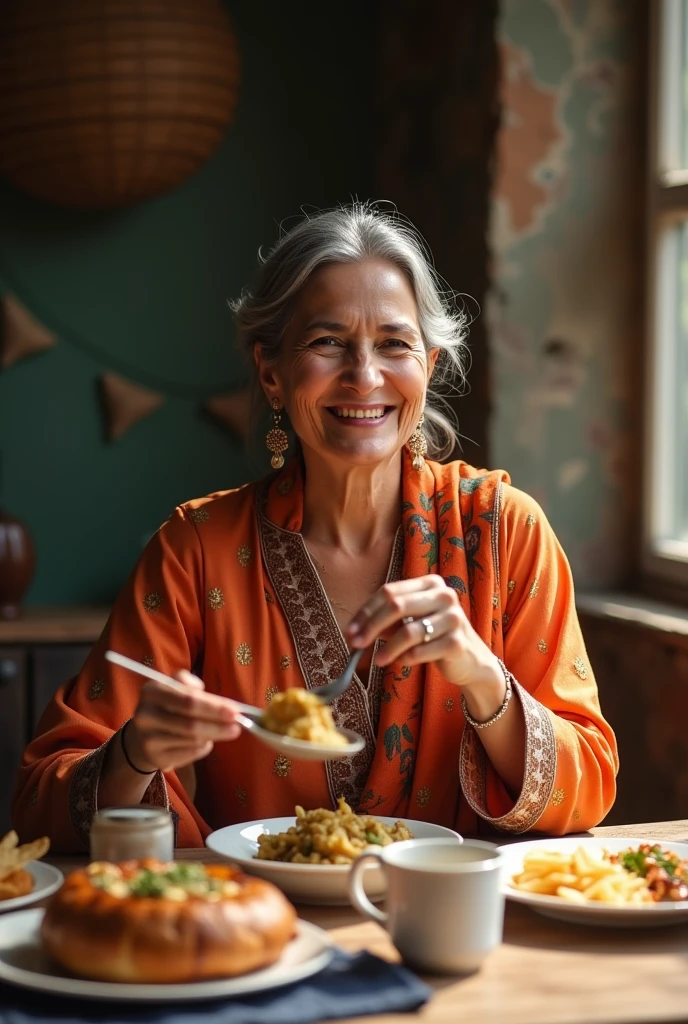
pixel 544 972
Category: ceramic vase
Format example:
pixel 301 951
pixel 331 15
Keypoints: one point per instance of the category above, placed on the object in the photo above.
pixel 17 563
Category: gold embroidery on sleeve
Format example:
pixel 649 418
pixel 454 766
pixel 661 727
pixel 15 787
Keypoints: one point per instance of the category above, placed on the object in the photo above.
pixel 449 704
pixel 148 661
pixel 580 668
pixel 495 601
pixel 242 796
pixel 534 587
pixel 423 796
pixel 538 777
pixel 244 554
pixel 558 797
pixel 96 689
pixel 511 586
pixel 284 486
pixel 530 520
pixel 542 646
pixel 281 766
pixel 270 693
pixel 216 599
pixel 268 596
pixel 285 661
pixel 576 815
pixel 152 602
pixel 199 515
pixel 243 654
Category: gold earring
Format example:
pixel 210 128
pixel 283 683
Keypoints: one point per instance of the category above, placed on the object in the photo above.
pixel 417 445
pixel 277 440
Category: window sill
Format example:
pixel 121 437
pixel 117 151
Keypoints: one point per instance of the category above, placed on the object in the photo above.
pixel 636 609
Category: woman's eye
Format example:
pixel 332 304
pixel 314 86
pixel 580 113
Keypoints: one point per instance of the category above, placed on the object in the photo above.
pixel 395 343
pixel 325 342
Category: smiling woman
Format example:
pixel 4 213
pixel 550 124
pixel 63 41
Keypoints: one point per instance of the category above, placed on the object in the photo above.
pixel 474 698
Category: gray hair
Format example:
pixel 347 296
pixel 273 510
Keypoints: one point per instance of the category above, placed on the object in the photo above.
pixel 354 234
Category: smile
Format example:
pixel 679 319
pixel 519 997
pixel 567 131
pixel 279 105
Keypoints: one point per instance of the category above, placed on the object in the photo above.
pixel 359 412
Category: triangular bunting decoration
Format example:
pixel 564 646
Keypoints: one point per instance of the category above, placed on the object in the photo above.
pixel 233 410
pixel 21 334
pixel 125 403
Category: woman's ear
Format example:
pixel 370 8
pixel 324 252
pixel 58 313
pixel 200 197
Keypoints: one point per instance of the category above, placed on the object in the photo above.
pixel 432 359
pixel 266 374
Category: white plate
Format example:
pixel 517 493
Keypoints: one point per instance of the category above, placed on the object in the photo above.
pixel 652 915
pixel 324 884
pixel 23 963
pixel 46 879
pixel 304 750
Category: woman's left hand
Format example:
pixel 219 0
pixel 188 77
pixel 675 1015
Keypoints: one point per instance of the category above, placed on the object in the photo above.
pixel 421 620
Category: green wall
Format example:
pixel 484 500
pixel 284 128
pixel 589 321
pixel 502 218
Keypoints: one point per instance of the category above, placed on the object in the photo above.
pixel 143 292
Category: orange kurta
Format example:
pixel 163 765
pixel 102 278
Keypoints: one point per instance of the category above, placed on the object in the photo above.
pixel 227 587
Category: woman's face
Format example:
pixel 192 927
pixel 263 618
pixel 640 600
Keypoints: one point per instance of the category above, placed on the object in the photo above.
pixel 353 370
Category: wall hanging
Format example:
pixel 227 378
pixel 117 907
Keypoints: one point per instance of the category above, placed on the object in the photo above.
pixel 105 103
pixel 124 402
pixel 21 334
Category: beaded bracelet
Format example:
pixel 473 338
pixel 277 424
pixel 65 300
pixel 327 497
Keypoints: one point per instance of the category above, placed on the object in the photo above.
pixel 126 756
pixel 499 712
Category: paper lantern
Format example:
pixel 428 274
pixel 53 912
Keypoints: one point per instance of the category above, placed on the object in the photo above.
pixel 105 103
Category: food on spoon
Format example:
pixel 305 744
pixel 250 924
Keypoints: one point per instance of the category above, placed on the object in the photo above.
pixel 642 876
pixel 152 921
pixel 14 880
pixel 329 837
pixel 301 715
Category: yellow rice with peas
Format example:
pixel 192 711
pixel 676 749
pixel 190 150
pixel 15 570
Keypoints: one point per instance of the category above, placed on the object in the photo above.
pixel 329 837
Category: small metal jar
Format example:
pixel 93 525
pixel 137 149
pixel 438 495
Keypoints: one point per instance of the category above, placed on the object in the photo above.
pixel 130 833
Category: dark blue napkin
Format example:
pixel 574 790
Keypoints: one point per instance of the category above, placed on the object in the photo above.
pixel 353 985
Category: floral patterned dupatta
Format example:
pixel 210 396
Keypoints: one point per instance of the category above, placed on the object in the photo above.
pixel 410 715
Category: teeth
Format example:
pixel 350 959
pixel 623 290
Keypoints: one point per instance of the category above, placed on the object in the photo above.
pixel 361 414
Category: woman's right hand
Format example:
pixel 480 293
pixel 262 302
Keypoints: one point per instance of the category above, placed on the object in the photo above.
pixel 172 728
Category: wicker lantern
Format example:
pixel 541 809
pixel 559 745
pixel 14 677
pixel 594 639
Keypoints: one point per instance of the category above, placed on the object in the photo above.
pixel 105 103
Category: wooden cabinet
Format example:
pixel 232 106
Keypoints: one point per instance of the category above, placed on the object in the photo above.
pixel 38 653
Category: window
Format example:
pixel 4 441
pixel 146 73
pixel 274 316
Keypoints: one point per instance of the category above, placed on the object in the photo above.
pixel 666 512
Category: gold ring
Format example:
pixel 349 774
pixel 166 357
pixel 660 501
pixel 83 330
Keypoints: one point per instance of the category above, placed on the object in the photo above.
pixel 429 630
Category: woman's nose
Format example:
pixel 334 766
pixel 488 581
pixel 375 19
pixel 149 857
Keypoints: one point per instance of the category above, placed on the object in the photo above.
pixel 363 374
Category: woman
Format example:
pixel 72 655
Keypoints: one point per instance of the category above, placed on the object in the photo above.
pixel 451 580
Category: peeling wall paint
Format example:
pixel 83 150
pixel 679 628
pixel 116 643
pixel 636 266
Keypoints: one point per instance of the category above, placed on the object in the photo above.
pixel 565 310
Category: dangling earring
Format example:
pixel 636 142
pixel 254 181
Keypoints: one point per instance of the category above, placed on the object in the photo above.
pixel 417 445
pixel 277 440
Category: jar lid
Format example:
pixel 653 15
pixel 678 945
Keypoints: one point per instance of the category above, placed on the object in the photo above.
pixel 132 817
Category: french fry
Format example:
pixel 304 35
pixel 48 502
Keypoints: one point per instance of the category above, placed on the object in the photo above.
pixel 579 877
pixel 13 857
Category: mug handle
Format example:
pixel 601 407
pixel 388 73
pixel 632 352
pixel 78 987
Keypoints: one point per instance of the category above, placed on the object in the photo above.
pixel 356 891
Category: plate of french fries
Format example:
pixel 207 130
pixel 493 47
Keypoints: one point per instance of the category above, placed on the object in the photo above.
pixel 611 882
pixel 23 877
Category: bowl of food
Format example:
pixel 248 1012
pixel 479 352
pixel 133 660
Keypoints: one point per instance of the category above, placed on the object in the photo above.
pixel 308 855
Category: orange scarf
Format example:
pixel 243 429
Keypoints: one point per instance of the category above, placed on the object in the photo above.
pixel 413 759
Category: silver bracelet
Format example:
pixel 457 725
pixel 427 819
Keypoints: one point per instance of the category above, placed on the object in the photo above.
pixel 499 712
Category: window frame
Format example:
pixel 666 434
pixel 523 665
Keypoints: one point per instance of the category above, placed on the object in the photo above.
pixel 663 562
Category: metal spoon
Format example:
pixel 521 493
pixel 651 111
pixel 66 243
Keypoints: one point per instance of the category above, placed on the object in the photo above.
pixel 250 717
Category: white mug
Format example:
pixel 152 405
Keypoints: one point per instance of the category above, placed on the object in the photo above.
pixel 445 905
